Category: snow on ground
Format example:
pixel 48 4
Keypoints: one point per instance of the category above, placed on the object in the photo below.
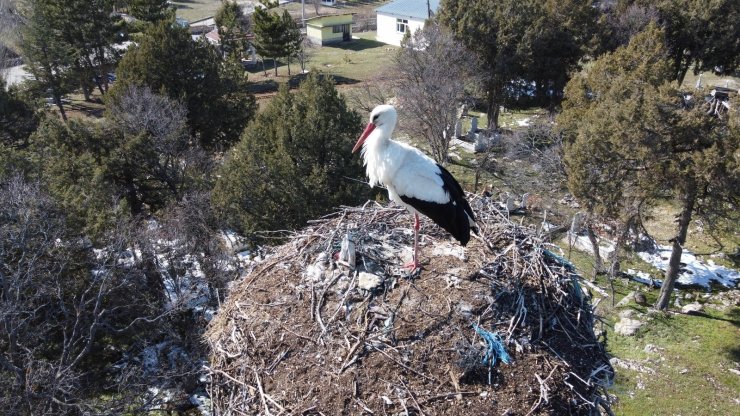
pixel 523 122
pixel 15 75
pixel 582 243
pixel 694 272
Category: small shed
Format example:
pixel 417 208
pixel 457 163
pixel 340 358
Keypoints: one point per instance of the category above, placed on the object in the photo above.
pixel 399 17
pixel 325 30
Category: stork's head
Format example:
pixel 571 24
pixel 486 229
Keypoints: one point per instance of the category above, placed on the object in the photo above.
pixel 383 117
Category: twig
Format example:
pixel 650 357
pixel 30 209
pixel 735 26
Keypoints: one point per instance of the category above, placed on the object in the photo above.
pixel 262 392
pixel 404 365
pixel 413 397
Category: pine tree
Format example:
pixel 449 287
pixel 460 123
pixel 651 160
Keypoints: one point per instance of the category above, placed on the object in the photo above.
pixel 215 93
pixel 292 38
pixel 292 162
pixel 151 10
pixel 269 35
pixel 232 27
pixel 46 54
pixel 517 40
pixel 632 140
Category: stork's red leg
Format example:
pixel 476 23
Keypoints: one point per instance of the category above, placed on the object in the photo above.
pixel 415 263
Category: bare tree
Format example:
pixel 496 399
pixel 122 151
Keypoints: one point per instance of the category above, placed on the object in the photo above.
pixel 55 300
pixel 373 93
pixel 161 152
pixel 433 71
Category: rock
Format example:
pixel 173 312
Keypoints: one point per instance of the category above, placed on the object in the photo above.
pixel 692 308
pixel 368 281
pixel 626 300
pixel 630 365
pixel 627 326
pixel 640 299
pixel 650 348
pixel 684 371
pixel 627 313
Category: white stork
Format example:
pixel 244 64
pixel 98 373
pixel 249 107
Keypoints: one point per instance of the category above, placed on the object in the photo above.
pixel 414 180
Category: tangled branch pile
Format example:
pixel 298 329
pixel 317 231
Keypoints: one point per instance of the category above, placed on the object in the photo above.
pixel 304 334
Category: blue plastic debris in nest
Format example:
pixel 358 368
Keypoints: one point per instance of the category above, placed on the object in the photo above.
pixel 495 347
pixel 560 260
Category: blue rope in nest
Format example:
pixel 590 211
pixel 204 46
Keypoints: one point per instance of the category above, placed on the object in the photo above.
pixel 571 268
pixel 495 347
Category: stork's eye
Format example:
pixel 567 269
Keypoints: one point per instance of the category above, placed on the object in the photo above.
pixel 375 118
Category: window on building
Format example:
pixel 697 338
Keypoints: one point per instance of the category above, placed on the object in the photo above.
pixel 340 29
pixel 402 25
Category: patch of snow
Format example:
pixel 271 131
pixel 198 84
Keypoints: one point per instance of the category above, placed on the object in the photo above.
pixel 524 122
pixel 582 243
pixel 694 272
pixel 15 75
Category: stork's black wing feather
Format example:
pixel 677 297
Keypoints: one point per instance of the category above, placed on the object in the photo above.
pixel 454 215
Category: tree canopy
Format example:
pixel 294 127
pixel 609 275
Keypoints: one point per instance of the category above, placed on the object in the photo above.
pixel 632 139
pixel 215 92
pixel 526 47
pixel 275 35
pixel 293 162
pixel 700 35
pixel 233 27
pixel 150 10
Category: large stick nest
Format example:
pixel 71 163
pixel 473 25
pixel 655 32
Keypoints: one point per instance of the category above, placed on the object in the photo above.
pixel 298 335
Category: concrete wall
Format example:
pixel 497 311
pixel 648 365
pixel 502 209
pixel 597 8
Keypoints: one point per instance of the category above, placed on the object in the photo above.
pixel 387 28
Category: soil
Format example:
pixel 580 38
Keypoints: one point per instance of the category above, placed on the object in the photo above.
pixel 298 336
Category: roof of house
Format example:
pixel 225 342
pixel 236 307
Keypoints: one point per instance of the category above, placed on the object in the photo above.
pixel 320 20
pixel 411 8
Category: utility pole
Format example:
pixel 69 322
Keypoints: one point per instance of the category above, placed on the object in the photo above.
pixel 303 13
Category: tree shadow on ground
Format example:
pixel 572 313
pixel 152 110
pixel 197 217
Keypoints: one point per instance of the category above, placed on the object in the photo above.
pixel 357 45
pixel 272 85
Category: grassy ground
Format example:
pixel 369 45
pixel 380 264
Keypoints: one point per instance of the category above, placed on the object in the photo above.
pixel 687 369
pixel 196 9
pixel 348 62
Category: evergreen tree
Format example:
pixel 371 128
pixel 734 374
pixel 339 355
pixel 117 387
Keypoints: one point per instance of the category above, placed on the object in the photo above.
pixel 151 10
pixel 90 29
pixel 519 42
pixel 71 160
pixel 291 164
pixel 47 56
pixel 215 92
pixel 700 35
pixel 233 27
pixel 631 140
pixel 292 38
pixel 269 35
pixel 17 117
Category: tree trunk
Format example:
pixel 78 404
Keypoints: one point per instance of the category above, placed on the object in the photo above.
pixel 288 66
pixel 493 111
pixel 598 263
pixel 274 63
pixel 614 266
pixel 58 102
pixel 85 89
pixel 674 264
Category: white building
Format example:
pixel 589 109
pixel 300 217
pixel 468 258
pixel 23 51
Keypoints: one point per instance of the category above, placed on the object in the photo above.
pixel 397 18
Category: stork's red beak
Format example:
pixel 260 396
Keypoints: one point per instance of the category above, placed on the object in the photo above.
pixel 369 129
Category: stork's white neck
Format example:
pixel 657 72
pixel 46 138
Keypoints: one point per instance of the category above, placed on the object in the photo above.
pixel 376 154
